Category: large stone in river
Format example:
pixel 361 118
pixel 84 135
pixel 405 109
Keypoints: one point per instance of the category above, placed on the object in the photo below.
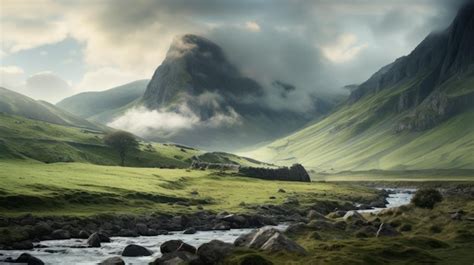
pixel 176 245
pixel 214 251
pixel 94 240
pixel 26 258
pixel 176 258
pixel 113 261
pixel 135 251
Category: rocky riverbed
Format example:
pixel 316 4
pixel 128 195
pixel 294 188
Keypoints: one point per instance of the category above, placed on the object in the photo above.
pixel 69 244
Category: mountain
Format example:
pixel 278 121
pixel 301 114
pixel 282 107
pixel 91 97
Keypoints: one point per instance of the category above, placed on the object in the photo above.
pixel 227 110
pixel 415 113
pixel 94 104
pixel 17 104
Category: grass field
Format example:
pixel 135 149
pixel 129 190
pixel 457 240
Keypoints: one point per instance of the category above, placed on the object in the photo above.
pixel 85 189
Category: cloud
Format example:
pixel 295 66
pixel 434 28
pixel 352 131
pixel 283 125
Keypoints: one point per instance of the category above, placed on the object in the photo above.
pixel 46 86
pixel 164 123
pixel 11 76
pixel 296 40
pixel 105 78
pixel 252 26
pixel 345 49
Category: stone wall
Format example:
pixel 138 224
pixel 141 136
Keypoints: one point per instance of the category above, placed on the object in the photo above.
pixel 295 173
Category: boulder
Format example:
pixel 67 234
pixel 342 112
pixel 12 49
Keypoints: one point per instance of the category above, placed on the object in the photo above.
pixel 190 231
pixel 94 240
pixel 278 242
pixel 61 234
pixel 336 214
pixel 176 245
pixel 296 228
pixel 26 258
pixel 84 234
pixel 176 258
pixel 270 239
pixel 42 229
pixel 386 230
pixel 113 261
pixel 142 229
pixel 314 215
pixel 214 251
pixel 23 245
pixel 234 218
pixel 128 233
pixel 135 251
pixel 353 216
pixel 103 237
pixel 221 226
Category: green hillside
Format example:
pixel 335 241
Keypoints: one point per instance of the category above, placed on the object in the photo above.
pixel 361 136
pixel 17 104
pixel 89 104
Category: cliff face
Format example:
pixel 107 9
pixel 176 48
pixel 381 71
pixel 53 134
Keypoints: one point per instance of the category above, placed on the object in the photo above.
pixel 197 80
pixel 437 60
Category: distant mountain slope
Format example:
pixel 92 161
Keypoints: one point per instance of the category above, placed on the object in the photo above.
pixel 221 109
pixel 416 113
pixel 17 104
pixel 89 104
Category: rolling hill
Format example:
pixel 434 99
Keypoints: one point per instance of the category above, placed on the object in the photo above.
pixel 17 104
pixel 94 104
pixel 415 113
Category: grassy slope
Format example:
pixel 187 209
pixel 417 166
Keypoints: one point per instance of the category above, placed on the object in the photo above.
pixel 89 104
pixel 360 137
pixel 85 189
pixel 29 139
pixel 16 104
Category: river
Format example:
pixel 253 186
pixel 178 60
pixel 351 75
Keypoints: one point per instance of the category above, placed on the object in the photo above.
pixel 72 251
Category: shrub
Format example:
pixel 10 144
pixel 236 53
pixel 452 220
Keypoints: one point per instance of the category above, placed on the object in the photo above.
pixel 426 198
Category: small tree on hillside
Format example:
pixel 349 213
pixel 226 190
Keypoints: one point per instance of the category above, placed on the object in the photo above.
pixel 122 142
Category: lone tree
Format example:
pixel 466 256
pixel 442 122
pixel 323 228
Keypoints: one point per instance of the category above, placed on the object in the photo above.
pixel 122 142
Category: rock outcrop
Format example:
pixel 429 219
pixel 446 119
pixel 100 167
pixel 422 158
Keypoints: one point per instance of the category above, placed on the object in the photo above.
pixel 269 239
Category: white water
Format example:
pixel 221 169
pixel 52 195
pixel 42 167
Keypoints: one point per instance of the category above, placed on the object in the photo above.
pixel 66 253
pixel 397 198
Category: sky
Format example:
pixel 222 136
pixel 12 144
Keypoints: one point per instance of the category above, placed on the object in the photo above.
pixel 54 49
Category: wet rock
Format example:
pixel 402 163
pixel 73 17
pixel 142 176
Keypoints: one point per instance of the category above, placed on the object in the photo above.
pixel 26 258
pixel 113 261
pixel 386 230
pixel 61 234
pixel 23 245
pixel 128 233
pixel 336 214
pixel 142 229
pixel 94 240
pixel 176 245
pixel 296 228
pixel 270 239
pixel 214 251
pixel 221 226
pixel 42 229
pixel 83 234
pixel 190 231
pixel 177 258
pixel 353 216
pixel 314 215
pixel 135 251
pixel 103 237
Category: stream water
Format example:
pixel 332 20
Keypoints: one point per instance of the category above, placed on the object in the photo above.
pixel 72 251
